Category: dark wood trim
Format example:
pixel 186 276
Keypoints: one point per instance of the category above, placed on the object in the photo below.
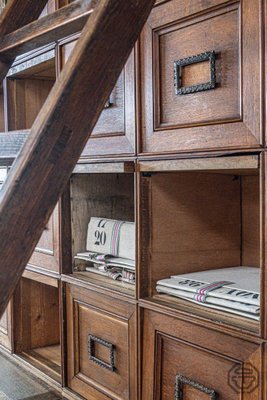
pixel 50 28
pixel 16 14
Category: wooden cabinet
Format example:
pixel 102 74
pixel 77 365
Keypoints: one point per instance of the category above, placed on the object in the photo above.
pixel 47 252
pixel 27 86
pixel 6 336
pixel 104 190
pixel 101 345
pixel 114 133
pixel 193 84
pixel 37 323
pixel 197 219
pixel 185 361
pixel 197 64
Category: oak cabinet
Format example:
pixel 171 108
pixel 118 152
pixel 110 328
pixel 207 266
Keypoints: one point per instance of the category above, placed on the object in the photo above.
pixel 199 215
pixel 115 131
pixel 101 345
pixel 6 337
pixel 37 323
pixel 201 76
pixel 183 361
pixel 105 190
pixel 192 84
pixel 47 251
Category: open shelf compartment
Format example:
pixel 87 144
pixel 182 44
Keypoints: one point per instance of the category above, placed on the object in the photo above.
pixel 36 310
pixel 27 86
pixel 104 191
pixel 199 215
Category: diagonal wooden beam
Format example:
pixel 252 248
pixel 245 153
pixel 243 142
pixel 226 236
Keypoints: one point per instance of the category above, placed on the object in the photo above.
pixel 60 132
pixel 16 14
pixel 67 20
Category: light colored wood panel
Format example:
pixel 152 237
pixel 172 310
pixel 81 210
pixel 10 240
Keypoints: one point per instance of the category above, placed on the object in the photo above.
pixel 6 327
pixel 46 280
pixel 195 223
pixel 25 99
pixel 46 254
pixel 119 167
pixel 202 164
pixel 251 231
pixel 36 308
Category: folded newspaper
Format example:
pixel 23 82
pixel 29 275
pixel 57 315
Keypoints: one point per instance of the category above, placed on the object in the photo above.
pixel 110 249
pixel 235 290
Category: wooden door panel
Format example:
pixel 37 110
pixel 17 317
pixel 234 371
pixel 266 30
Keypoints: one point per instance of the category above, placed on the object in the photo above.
pixel 46 254
pixel 114 133
pixel 197 60
pixel 101 345
pixel 182 361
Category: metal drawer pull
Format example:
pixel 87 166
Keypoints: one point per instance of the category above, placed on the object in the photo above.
pixel 178 68
pixel 182 380
pixel 91 351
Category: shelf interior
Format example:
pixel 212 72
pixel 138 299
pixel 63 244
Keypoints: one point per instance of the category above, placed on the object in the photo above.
pixel 26 92
pixel 211 221
pixel 36 310
pixel 101 195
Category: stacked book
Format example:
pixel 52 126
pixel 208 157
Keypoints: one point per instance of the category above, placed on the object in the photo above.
pixel 110 249
pixel 235 290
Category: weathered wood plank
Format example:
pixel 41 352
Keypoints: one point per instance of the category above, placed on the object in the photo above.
pixel 67 20
pixel 17 13
pixel 60 132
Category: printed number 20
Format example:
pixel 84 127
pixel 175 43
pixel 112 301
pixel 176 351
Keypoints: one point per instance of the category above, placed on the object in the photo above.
pixel 101 238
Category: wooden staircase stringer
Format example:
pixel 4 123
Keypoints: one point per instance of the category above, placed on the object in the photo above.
pixel 60 132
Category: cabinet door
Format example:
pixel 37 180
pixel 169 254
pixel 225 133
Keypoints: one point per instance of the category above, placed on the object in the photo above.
pixel 6 328
pixel 46 254
pixel 101 345
pixel 114 133
pixel 201 76
pixel 182 361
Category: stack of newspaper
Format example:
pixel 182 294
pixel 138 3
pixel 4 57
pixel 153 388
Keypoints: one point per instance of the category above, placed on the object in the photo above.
pixel 235 290
pixel 110 249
